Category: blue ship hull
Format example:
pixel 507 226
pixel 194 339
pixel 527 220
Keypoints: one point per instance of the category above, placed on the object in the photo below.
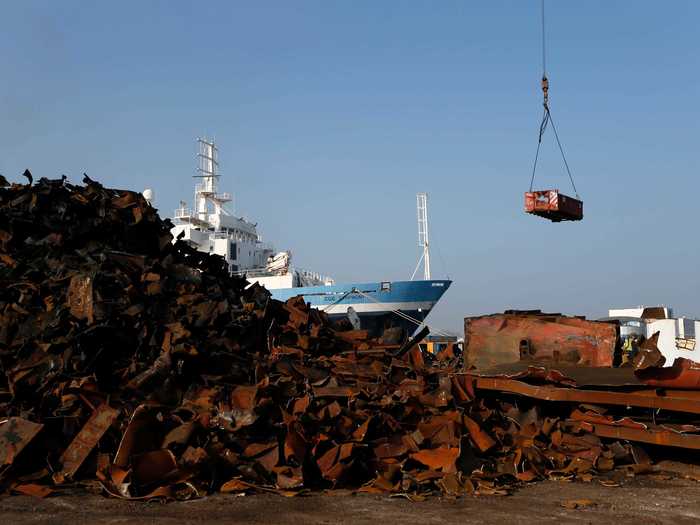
pixel 375 302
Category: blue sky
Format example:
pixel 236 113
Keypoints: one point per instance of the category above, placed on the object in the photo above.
pixel 331 115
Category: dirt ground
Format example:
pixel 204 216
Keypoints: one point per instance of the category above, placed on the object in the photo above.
pixel 641 500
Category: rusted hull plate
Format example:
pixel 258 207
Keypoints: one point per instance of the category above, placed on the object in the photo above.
pixel 511 337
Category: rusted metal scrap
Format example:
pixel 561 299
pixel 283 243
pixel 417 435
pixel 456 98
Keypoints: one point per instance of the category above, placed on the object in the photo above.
pixel 675 400
pixel 603 425
pixel 85 441
pixel 649 355
pixel 534 336
pixel 621 405
pixel 154 371
pixel 683 374
pixel 15 435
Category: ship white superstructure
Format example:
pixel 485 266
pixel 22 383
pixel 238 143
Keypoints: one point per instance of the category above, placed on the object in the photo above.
pixel 212 228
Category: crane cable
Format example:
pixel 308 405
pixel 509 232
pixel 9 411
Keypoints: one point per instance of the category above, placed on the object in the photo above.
pixel 547 115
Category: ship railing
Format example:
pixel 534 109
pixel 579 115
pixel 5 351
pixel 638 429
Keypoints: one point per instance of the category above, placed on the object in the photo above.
pixel 203 188
pixel 305 274
pixel 181 213
pixel 259 272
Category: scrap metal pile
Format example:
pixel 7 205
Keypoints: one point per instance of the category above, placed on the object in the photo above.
pixel 141 368
pixel 568 365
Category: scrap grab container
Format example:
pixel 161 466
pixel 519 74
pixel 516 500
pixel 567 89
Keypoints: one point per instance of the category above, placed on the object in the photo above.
pixel 553 205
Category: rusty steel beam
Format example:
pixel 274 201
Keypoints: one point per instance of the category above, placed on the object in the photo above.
pixel 675 400
pixel 666 438
pixel 86 440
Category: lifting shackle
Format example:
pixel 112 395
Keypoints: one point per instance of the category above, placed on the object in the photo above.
pixel 545 91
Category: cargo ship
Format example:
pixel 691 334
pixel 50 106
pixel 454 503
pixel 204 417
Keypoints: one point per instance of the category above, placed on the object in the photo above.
pixel 210 227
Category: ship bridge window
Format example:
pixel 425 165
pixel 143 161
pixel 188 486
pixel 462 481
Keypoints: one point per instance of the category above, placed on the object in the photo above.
pixel 385 286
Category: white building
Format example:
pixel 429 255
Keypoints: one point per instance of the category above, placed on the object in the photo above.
pixel 677 335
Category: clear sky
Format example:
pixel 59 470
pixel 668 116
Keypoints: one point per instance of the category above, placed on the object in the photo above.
pixel 331 115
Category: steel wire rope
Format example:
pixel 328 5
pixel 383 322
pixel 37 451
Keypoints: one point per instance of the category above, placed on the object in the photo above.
pixel 543 126
pixel 544 60
pixel 406 316
pixel 561 150
pixel 547 115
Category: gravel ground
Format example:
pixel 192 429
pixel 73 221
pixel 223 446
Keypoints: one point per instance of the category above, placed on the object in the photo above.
pixel 645 499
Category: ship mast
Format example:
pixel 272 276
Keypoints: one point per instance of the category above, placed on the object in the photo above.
pixel 207 190
pixel 423 239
